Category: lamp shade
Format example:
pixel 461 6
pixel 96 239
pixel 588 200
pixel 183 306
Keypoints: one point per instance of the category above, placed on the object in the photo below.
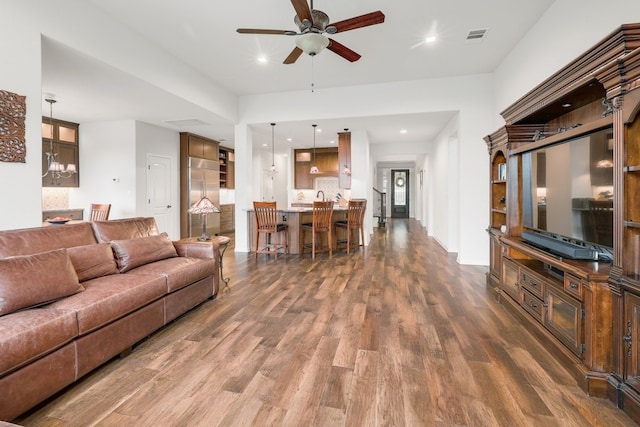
pixel 312 43
pixel 203 206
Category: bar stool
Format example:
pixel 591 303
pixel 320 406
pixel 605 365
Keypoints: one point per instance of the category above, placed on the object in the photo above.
pixel 322 214
pixel 267 224
pixel 355 221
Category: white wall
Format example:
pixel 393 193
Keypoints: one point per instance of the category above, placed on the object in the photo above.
pixel 84 28
pixel 20 73
pixel 107 152
pixel 565 31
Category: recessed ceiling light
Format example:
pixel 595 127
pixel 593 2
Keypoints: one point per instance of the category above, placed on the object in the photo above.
pixel 566 105
pixel 318 130
pixel 332 142
pixel 289 139
pixel 403 131
pixel 265 145
pixel 262 59
pixel 431 39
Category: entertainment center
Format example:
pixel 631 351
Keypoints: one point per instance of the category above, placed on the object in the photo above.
pixel 564 228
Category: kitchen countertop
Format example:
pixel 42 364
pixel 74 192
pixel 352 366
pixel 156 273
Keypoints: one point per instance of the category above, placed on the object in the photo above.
pixel 301 209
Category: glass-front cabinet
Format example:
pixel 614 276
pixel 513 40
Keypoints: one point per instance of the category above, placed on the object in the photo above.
pixel 511 279
pixel 564 318
pixel 60 153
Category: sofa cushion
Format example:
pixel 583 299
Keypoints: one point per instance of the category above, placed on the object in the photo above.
pixel 91 261
pixel 32 280
pixel 109 298
pixel 121 229
pixel 179 271
pixel 132 253
pixel 29 241
pixel 29 334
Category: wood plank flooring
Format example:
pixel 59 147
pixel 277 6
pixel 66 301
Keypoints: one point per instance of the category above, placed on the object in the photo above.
pixel 400 336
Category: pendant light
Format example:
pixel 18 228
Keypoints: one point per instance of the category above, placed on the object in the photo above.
pixel 274 170
pixel 347 169
pixel 314 169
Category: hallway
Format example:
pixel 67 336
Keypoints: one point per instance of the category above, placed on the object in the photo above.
pixel 402 336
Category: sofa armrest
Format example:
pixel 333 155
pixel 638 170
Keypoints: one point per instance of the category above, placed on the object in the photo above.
pixel 205 250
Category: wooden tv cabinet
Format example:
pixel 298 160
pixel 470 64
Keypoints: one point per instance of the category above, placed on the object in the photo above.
pixel 588 311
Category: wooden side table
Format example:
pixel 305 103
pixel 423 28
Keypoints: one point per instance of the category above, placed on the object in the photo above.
pixel 223 243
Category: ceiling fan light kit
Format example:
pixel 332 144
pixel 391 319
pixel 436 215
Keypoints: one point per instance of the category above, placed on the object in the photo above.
pixel 313 24
pixel 312 43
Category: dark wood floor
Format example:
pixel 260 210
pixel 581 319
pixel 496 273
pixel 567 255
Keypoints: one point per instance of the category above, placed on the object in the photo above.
pixel 402 336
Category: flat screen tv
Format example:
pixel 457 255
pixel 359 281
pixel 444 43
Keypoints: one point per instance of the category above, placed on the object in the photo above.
pixel 567 202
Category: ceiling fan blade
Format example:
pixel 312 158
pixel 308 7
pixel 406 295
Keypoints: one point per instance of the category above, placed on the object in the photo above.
pixel 293 56
pixel 258 31
pixel 343 51
pixel 365 20
pixel 302 9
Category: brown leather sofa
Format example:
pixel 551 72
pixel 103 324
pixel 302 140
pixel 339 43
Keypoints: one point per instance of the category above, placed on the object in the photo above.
pixel 74 296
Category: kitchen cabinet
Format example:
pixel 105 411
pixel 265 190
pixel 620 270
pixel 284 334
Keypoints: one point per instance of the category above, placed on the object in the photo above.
pixel 326 160
pixel 200 147
pixel 73 214
pixel 61 138
pixel 227 218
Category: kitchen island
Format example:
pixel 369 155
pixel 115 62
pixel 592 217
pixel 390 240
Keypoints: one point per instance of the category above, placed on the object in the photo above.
pixel 294 217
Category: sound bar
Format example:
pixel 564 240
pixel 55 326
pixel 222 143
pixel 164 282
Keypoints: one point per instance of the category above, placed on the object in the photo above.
pixel 559 247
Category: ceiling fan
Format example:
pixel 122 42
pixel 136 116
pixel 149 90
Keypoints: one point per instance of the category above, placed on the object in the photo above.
pixel 313 26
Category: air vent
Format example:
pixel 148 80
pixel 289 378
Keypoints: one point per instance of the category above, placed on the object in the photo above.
pixel 476 35
pixel 186 122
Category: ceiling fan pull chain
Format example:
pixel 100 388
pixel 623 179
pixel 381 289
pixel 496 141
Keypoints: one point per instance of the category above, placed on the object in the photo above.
pixel 312 77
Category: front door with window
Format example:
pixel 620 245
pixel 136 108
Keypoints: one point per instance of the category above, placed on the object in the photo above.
pixel 400 193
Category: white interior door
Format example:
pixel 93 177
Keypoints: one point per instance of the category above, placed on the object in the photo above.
pixel 159 195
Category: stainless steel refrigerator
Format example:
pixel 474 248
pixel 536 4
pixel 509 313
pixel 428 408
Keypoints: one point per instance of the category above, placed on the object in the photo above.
pixel 204 180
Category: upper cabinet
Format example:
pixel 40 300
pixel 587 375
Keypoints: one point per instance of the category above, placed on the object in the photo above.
pixel 326 159
pixel 60 153
pixel 227 166
pixel 199 147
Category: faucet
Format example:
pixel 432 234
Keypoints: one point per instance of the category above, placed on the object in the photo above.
pixel 318 194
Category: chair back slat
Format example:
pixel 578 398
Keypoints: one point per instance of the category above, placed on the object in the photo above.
pixel 355 212
pixel 322 214
pixel 99 211
pixel 266 216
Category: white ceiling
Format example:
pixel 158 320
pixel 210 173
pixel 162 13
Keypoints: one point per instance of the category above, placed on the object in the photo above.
pixel 202 34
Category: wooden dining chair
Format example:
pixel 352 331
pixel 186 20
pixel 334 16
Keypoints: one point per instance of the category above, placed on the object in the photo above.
pixel 99 212
pixel 321 223
pixel 267 224
pixel 355 221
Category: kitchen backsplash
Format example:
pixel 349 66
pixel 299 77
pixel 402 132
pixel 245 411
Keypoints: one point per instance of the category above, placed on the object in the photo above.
pixel 55 198
pixel 328 185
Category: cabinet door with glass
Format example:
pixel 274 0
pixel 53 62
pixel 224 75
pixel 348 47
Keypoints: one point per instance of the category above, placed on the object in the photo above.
pixel 511 279
pixel 60 153
pixel 565 318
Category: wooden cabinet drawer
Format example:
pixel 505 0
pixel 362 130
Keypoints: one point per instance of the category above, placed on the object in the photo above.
pixel 74 214
pixel 532 283
pixel 533 305
pixel 574 286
